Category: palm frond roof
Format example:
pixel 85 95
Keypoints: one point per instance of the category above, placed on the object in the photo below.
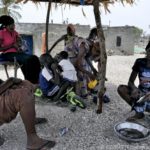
pixel 105 3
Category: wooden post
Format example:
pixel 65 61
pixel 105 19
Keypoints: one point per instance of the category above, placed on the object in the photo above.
pixel 47 23
pixel 103 55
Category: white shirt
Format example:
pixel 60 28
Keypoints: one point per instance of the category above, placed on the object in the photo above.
pixel 69 71
pixel 47 74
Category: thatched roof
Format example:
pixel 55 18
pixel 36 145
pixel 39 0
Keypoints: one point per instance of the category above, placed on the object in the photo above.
pixel 72 2
pixel 77 2
pixel 105 3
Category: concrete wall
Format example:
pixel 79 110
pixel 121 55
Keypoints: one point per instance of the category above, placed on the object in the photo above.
pixel 127 39
pixel 57 30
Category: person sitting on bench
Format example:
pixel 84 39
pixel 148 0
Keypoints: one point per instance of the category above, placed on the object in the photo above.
pixel 10 48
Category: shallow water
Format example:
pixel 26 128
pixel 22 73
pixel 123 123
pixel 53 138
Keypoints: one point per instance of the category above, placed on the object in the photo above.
pixel 131 133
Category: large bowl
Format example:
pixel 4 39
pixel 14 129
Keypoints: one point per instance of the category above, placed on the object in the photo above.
pixel 131 132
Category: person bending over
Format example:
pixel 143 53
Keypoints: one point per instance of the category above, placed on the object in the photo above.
pixel 77 48
pixel 67 38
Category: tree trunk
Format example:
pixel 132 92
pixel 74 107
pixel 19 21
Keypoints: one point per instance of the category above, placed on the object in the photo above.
pixel 47 23
pixel 103 56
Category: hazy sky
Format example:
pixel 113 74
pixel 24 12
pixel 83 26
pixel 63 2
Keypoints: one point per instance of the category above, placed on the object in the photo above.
pixel 136 15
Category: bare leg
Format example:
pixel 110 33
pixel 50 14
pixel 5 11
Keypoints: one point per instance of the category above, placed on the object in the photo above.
pixel 123 91
pixel 21 99
pixel 27 113
pixel 61 91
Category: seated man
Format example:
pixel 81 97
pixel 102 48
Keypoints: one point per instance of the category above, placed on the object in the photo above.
pixel 131 94
pixel 17 96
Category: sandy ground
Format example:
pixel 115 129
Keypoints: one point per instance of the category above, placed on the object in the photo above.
pixel 87 130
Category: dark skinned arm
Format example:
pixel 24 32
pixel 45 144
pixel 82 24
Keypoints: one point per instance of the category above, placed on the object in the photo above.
pixel 135 94
pixel 132 80
pixel 91 65
pixel 80 58
pixel 56 77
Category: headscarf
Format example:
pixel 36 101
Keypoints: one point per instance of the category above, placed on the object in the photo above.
pixel 71 28
pixel 5 21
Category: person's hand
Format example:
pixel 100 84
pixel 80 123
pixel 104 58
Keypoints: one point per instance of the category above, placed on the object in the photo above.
pixel 53 66
pixel 135 94
pixel 145 98
pixel 16 46
pixel 56 68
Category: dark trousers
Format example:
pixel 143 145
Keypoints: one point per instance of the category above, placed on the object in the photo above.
pixel 30 65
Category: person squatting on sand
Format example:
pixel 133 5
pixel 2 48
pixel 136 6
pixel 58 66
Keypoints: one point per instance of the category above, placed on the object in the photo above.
pixel 17 95
pixel 131 94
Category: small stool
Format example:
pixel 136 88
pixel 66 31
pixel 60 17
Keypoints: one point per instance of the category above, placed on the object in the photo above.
pixel 8 63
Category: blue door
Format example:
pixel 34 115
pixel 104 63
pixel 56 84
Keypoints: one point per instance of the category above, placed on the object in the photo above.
pixel 27 43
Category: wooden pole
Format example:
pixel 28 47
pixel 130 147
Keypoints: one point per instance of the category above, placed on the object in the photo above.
pixel 47 23
pixel 103 55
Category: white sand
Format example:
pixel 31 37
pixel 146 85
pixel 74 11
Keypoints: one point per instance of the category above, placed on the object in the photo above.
pixel 87 130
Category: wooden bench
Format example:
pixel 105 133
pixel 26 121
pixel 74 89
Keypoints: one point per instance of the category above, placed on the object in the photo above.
pixel 15 65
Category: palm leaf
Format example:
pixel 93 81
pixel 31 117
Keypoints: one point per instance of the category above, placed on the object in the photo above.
pixel 8 7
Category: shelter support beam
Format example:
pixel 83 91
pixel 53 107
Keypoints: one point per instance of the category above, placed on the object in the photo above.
pixel 103 55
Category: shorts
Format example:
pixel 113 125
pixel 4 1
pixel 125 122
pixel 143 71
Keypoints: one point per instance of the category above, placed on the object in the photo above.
pixel 13 99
